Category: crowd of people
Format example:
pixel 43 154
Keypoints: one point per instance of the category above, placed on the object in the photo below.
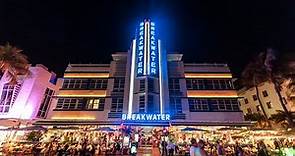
pixel 67 143
pixel 206 148
pixel 199 149
pixel 75 143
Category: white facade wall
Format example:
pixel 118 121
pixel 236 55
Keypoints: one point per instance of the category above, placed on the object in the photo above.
pixel 272 97
pixel 30 96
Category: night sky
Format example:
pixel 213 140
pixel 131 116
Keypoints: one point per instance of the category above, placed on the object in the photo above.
pixel 55 33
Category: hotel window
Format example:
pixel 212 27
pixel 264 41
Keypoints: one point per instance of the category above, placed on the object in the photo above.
pixel 197 104
pixel 258 108
pixel 150 104
pixel 249 111
pixel 175 105
pixel 142 104
pixel 210 84
pixel 254 97
pixel 218 84
pixel 75 84
pixel 151 85
pixel 224 104
pixel 69 103
pixel 246 101
pixel 235 104
pixel 225 84
pixel 98 83
pixel 8 96
pixel 45 103
pixel 174 85
pixel 142 85
pixel 195 84
pixel 265 94
pixel 269 105
pixel 96 103
pixel 119 84
pixel 117 105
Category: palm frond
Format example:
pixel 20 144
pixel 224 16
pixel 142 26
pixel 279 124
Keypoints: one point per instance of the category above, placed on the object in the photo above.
pixel 13 62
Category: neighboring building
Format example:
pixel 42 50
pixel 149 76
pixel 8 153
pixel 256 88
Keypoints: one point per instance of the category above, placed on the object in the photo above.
pixel 146 86
pixel 31 97
pixel 270 100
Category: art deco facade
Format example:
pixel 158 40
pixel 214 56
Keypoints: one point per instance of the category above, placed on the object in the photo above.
pixel 269 99
pixel 146 85
pixel 31 97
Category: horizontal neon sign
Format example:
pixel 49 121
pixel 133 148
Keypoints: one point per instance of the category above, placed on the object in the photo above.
pixel 146 117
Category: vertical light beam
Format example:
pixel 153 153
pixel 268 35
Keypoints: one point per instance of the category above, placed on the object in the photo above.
pixel 148 47
pixel 145 47
pixel 160 77
pixel 130 102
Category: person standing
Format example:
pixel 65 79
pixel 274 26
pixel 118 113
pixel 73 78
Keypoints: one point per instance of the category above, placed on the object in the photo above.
pixel 262 151
pixel 155 148
pixel 197 149
pixel 220 149
pixel 133 149
pixel 171 148
pixel 193 147
pixel 164 147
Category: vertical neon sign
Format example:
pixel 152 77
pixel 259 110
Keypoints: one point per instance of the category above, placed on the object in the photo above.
pixel 154 61
pixel 140 56
pixel 147 61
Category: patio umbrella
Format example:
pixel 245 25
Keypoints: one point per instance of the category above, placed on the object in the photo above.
pixel 32 128
pixel 106 129
pixel 229 128
pixel 67 128
pixel 190 129
pixel 8 129
pixel 262 129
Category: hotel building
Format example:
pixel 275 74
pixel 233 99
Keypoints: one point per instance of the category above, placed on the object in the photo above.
pixel 146 86
pixel 269 99
pixel 30 98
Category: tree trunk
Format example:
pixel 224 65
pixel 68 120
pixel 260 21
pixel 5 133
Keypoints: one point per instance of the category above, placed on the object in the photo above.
pixel 289 117
pixel 261 106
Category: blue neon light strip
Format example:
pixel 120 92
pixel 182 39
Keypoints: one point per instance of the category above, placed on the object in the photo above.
pixel 145 47
pixel 131 88
pixel 161 78
pixel 148 48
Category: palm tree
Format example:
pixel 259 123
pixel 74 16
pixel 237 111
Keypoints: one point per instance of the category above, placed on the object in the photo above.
pixel 256 117
pixel 277 73
pixel 13 63
pixel 289 70
pixel 254 74
pixel 281 117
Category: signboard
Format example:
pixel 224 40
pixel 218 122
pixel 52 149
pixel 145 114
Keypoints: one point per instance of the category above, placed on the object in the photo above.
pixel 147 54
pixel 154 55
pixel 140 53
pixel 146 117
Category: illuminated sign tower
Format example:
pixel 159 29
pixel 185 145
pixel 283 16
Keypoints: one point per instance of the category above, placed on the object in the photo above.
pixel 147 54
pixel 148 72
